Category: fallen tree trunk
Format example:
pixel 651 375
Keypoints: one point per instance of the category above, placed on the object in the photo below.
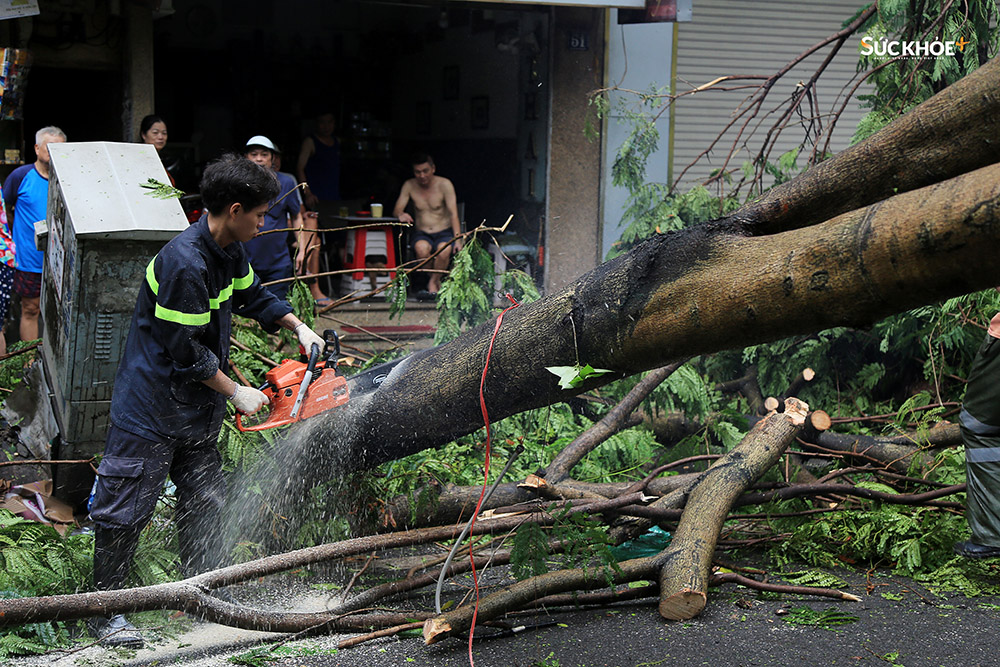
pixel 192 595
pixel 685 574
pixel 889 452
pixel 435 507
pixel 665 300
pixel 918 216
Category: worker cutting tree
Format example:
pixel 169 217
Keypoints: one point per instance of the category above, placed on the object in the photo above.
pixel 171 389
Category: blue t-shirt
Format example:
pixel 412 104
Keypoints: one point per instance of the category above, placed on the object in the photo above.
pixel 269 254
pixel 27 192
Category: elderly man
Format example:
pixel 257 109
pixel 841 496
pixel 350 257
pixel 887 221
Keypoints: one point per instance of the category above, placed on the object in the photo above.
pixel 27 195
pixel 269 253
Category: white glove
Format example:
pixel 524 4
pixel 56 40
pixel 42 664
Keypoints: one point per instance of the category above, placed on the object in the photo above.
pixel 248 400
pixel 308 338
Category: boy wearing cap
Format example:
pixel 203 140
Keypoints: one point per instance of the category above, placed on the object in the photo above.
pixel 269 254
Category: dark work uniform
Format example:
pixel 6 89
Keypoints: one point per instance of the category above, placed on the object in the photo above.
pixel 980 423
pixel 163 419
pixel 269 253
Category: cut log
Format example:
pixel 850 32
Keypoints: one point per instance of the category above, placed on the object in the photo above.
pixel 685 575
pixel 819 420
pixel 800 380
pixel 883 451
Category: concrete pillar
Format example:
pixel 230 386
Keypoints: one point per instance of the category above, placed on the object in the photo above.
pixel 572 225
pixel 137 60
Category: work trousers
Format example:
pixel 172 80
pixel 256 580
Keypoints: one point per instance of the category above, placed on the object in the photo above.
pixel 982 477
pixel 129 482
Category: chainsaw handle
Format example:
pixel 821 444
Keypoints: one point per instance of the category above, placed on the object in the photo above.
pixel 313 357
pixel 332 341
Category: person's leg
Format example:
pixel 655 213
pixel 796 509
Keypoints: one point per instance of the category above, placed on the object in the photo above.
pixel 6 291
pixel 29 318
pixel 441 261
pixel 422 249
pixel 982 476
pixel 312 245
pixel 201 493
pixel 129 481
pixel 28 286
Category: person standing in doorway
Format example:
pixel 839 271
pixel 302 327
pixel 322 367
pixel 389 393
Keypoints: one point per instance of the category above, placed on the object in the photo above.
pixel 153 130
pixel 319 163
pixel 319 168
pixel 27 197
pixel 436 223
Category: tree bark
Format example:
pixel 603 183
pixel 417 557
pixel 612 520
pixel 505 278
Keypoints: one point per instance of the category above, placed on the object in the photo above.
pixel 716 286
pixel 684 576
pixel 889 452
pixel 456 503
pixel 950 134
pixel 191 595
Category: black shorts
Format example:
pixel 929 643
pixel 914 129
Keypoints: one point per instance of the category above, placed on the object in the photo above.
pixel 435 239
pixel 27 284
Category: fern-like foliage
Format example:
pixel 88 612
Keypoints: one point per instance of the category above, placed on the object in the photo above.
pixel 36 560
pixel 586 545
pixel 396 293
pixel 466 294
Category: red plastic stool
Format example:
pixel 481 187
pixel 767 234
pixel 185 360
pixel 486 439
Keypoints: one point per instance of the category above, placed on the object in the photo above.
pixel 360 249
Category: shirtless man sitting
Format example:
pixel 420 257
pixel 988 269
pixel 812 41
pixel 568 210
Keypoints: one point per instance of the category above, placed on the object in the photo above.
pixel 436 224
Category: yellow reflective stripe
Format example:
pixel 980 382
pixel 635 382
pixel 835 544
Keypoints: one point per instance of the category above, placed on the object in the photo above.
pixel 224 295
pixel 246 281
pixel 187 319
pixel 151 276
pixel 195 319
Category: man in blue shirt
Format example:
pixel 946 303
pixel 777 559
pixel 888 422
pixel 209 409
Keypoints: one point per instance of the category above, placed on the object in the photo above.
pixel 269 254
pixel 27 196
pixel 171 388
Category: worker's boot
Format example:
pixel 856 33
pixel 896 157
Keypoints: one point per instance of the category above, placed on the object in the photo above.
pixel 114 631
pixel 113 552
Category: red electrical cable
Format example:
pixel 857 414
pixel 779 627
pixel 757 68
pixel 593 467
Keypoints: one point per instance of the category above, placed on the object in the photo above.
pixel 486 475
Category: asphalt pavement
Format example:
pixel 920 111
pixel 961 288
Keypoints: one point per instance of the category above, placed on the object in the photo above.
pixel 897 623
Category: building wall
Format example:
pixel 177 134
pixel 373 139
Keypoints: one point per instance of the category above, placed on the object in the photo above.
pixel 573 216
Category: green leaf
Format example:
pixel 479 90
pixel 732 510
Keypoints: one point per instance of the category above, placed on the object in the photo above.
pixel 571 377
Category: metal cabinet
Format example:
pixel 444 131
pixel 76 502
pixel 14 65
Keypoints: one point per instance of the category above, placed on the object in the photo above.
pixel 103 228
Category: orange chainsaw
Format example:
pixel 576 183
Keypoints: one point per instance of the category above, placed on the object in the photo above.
pixel 298 391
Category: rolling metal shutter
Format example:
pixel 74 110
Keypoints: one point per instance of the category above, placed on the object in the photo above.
pixel 728 37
